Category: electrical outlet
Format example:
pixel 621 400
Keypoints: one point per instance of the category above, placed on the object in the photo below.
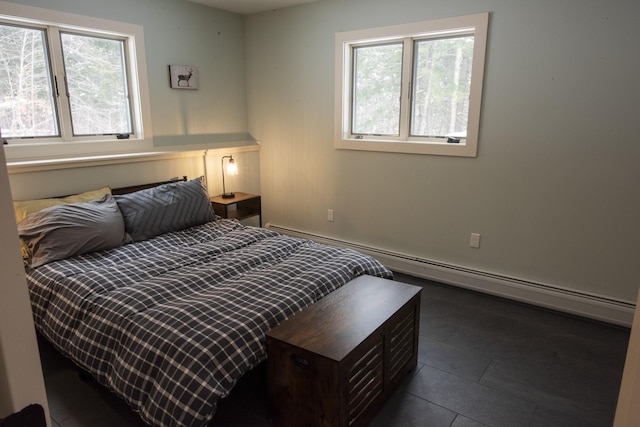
pixel 474 242
pixel 330 215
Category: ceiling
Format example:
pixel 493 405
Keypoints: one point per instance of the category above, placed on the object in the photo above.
pixel 245 7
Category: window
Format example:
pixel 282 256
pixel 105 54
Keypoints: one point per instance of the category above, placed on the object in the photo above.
pixel 97 85
pixel 412 88
pixel 67 90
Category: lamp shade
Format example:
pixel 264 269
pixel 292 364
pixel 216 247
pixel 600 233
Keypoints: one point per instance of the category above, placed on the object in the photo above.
pixel 232 169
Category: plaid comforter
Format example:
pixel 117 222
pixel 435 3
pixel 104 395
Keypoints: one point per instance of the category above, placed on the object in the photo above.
pixel 170 324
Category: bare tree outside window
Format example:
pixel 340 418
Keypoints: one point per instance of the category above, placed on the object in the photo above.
pixel 377 84
pixel 93 81
pixel 27 107
pixel 97 86
pixel 442 83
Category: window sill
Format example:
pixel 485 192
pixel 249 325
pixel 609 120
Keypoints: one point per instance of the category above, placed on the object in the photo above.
pixel 24 166
pixel 52 151
pixel 409 147
pixel 31 157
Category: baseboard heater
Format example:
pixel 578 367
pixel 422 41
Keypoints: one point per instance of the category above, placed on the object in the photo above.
pixel 584 304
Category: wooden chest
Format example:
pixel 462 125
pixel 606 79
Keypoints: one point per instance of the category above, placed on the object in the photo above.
pixel 335 362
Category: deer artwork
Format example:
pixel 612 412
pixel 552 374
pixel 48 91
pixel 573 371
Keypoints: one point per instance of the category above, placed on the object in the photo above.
pixel 185 77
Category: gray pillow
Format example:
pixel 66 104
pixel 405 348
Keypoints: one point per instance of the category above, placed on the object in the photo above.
pixel 63 231
pixel 168 207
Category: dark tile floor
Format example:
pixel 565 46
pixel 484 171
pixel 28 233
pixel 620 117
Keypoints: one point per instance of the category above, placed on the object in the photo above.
pixel 483 361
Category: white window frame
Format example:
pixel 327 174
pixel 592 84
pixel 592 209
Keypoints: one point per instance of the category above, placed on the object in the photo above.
pixel 39 149
pixel 476 25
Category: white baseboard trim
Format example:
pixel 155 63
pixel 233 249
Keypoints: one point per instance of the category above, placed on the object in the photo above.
pixel 584 304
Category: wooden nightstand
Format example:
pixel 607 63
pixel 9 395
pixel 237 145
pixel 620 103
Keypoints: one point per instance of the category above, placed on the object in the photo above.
pixel 243 205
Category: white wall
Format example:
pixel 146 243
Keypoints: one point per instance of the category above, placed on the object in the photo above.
pixel 553 190
pixel 33 182
pixel 21 381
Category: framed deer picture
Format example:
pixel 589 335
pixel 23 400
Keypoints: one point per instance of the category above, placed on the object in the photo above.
pixel 183 77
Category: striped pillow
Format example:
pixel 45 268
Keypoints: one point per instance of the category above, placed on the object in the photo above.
pixel 168 207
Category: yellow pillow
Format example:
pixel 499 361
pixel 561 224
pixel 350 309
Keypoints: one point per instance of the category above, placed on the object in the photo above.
pixel 26 207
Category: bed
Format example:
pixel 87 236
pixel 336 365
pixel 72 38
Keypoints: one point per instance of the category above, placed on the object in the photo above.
pixel 168 305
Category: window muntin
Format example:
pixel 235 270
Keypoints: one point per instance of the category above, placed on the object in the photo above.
pixel 27 104
pixel 97 84
pixel 448 107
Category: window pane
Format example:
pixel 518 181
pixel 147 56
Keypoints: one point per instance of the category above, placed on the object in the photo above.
pixel 377 82
pixel 442 80
pixel 97 84
pixel 27 106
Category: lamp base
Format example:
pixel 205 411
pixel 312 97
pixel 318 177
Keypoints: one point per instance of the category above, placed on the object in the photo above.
pixel 228 195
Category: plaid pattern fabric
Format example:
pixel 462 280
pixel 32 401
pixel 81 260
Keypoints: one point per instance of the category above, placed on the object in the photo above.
pixel 170 324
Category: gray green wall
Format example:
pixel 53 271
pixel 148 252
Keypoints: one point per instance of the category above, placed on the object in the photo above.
pixel 554 189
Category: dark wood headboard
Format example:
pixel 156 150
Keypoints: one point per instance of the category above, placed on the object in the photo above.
pixel 134 188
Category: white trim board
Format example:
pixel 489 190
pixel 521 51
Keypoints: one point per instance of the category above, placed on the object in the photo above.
pixel 589 305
